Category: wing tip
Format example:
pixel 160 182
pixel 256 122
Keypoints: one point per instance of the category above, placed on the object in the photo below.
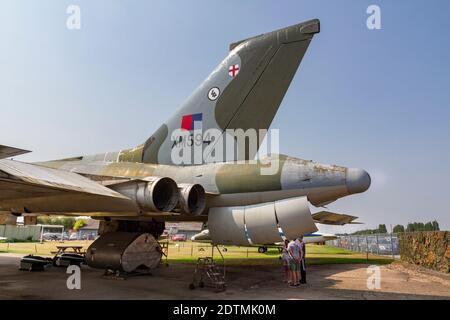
pixel 8 152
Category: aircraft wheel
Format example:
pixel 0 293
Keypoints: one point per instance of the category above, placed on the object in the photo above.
pixel 191 286
pixel 201 284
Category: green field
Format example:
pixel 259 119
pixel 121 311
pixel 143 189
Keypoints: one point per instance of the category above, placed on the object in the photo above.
pixel 249 255
pixel 189 252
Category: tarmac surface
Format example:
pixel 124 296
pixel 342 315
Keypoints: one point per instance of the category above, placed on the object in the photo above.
pixel 339 281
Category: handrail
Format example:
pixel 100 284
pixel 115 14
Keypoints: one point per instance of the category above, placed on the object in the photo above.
pixel 223 258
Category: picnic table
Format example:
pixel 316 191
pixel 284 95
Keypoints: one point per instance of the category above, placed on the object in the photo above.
pixel 74 249
pixel 68 255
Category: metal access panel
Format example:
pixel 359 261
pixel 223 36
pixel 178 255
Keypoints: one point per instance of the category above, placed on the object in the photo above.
pixel 294 217
pixel 226 225
pixel 124 251
pixel 262 224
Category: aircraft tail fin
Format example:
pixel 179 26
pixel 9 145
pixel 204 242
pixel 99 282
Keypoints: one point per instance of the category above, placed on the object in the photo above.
pixel 243 92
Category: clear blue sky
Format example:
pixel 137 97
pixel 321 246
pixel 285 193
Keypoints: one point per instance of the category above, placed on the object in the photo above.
pixel 378 100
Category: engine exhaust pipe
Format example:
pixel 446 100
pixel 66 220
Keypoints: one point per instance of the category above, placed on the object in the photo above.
pixel 154 194
pixel 192 199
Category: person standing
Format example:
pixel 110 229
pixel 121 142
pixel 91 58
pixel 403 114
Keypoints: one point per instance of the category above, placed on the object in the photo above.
pixel 295 255
pixel 285 257
pixel 303 260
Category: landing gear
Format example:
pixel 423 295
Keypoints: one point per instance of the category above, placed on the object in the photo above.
pixel 126 247
pixel 124 252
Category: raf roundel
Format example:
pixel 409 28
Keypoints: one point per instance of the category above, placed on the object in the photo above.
pixel 213 93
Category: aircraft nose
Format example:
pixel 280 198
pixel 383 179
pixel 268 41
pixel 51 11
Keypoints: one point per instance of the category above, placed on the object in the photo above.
pixel 357 180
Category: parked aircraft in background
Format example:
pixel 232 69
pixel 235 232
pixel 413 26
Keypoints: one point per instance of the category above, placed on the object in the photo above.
pixel 315 237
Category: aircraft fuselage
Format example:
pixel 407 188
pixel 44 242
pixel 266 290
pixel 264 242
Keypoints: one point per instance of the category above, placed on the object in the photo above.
pixel 239 183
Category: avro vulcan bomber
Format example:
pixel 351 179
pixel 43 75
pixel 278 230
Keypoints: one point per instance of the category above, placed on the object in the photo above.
pixel 133 192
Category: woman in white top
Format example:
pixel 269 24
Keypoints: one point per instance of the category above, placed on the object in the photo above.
pixel 295 254
pixel 285 257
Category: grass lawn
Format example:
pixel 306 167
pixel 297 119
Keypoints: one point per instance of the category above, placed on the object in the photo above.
pixel 250 256
pixel 189 252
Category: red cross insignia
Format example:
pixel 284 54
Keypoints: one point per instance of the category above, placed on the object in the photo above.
pixel 233 70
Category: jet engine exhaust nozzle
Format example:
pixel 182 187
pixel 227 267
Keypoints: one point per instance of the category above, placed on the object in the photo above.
pixel 192 199
pixel 154 194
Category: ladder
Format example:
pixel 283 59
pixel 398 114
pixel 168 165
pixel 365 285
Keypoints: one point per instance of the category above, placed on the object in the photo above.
pixel 208 273
pixel 164 245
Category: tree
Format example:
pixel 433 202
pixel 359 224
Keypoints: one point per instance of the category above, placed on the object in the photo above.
pixel 420 226
pixel 80 223
pixel 364 232
pixel 398 229
pixel 382 228
pixel 43 220
pixel 428 226
pixel 435 225
pixel 411 227
pixel 68 222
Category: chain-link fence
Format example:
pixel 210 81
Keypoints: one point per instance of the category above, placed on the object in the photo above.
pixel 380 244
pixel 176 249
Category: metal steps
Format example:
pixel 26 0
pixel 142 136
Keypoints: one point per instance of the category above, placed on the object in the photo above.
pixel 208 273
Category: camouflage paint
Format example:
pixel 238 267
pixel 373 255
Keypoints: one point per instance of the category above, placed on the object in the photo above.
pixel 248 100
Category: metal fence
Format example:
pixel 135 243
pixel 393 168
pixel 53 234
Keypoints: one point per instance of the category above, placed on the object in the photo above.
pixel 380 244
pixel 20 232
